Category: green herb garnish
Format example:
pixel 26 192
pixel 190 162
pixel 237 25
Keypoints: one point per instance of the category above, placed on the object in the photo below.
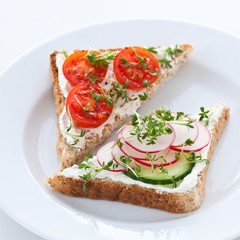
pixel 165 62
pixel 169 54
pixel 75 137
pixel 101 60
pixel 153 73
pixel 146 83
pixel 151 126
pixel 142 62
pixel 203 114
pixel 65 54
pixel 119 143
pixel 98 97
pixel 196 158
pixel 94 79
pixel 143 97
pixel 125 62
pixel 117 92
pixel 173 51
pixel 126 161
pixel 189 142
pixel 92 170
pixel 152 50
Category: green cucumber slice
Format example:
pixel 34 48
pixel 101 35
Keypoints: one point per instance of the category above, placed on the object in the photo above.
pixel 167 175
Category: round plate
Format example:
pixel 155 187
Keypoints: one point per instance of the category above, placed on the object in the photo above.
pixel 29 134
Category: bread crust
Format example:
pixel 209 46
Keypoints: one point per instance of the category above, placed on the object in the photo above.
pixel 137 195
pixel 71 155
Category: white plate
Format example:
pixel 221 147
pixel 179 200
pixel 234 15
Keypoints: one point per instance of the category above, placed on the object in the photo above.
pixel 28 138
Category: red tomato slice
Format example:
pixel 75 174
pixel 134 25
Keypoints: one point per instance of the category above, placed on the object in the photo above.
pixel 77 68
pixel 137 67
pixel 87 107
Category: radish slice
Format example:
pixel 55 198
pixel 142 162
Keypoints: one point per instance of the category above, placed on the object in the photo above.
pixel 202 140
pixel 162 142
pixel 136 155
pixel 183 133
pixel 169 159
pixel 104 154
pixel 117 154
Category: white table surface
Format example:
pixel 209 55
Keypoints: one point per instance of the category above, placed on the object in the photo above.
pixel 26 23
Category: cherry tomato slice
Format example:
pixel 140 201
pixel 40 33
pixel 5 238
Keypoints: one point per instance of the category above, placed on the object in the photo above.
pixel 77 68
pixel 87 107
pixel 136 67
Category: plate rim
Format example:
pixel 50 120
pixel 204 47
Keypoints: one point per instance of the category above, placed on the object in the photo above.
pixel 86 26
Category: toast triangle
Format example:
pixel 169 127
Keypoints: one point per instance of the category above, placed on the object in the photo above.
pixel 175 201
pixel 69 154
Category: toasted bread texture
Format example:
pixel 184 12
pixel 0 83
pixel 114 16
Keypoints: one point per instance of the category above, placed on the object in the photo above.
pixel 181 202
pixel 70 155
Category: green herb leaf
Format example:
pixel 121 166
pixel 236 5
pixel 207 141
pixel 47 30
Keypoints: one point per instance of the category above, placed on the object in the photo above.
pixel 146 83
pixel 65 54
pixel 143 97
pixel 177 155
pixel 94 79
pixel 125 62
pixel 196 158
pixel 119 143
pixel 98 97
pixel 91 169
pixel 153 73
pixel 69 128
pixel 151 126
pixel 180 115
pixel 82 133
pixel 102 60
pixel 138 169
pixel 189 142
pixel 203 114
pixel 87 157
pixel 173 51
pixel 118 91
pixel 85 187
pixel 165 62
pixel 142 62
pixel 152 50
pixel 164 170
pixel 75 137
pixel 125 85
pixel 109 101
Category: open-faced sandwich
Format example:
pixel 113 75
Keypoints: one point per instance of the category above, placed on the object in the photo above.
pixel 159 160
pixel 96 91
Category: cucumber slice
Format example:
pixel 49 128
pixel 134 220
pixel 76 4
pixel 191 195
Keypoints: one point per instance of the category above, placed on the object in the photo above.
pixel 167 175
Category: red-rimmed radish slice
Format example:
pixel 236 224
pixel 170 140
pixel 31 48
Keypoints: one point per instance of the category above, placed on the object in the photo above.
pixel 183 133
pixel 131 152
pixel 163 161
pixel 201 142
pixel 104 154
pixel 117 154
pixel 162 142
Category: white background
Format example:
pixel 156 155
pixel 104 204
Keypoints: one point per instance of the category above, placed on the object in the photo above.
pixel 27 23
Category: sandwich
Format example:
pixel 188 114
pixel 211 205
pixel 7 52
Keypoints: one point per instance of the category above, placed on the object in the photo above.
pixel 96 91
pixel 159 160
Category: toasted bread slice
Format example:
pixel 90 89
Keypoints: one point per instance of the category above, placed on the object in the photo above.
pixel 178 200
pixel 70 154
